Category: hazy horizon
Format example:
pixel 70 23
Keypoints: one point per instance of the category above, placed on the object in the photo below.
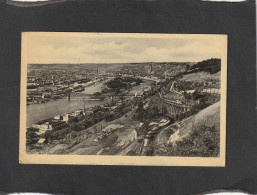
pixel 109 63
pixel 73 48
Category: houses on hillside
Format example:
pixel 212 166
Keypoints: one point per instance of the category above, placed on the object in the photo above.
pixel 57 122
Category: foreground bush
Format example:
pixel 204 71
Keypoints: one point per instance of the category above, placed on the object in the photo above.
pixel 203 141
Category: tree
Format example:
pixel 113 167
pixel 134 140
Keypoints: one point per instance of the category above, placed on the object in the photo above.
pixel 109 117
pixel 73 120
pixel 187 96
pixel 154 112
pixel 75 127
pixel 47 136
pixel 140 111
pixel 32 129
pixel 164 110
pixel 145 128
pixel 140 104
pixel 73 134
pixel 31 137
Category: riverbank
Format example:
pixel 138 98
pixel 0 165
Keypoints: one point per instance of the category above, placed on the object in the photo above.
pixel 38 112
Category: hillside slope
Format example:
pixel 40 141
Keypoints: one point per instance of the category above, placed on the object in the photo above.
pixel 209 117
pixel 197 135
pixel 211 65
pixel 200 76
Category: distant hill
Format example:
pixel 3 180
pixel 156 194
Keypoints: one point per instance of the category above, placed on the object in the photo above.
pixel 211 65
pixel 200 76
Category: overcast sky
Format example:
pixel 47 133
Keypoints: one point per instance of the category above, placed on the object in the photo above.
pixel 100 49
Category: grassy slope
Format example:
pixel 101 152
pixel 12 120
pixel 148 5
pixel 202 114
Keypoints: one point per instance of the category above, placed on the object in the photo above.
pixel 209 116
pixel 88 146
pixel 200 76
pixel 197 135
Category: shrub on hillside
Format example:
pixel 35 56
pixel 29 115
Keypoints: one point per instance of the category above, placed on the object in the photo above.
pixel 56 135
pixel 31 137
pixel 75 127
pixel 203 141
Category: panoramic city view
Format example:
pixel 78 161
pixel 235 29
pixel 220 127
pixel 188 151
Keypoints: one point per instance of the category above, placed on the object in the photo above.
pixel 154 107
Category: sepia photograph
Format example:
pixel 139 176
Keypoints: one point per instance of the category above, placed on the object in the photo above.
pixel 123 99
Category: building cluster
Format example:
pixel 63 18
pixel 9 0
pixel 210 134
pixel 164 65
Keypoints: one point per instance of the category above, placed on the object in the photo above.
pixel 57 122
pixel 45 82
pixel 158 70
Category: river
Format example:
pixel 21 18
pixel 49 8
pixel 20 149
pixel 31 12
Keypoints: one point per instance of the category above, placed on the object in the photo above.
pixel 37 112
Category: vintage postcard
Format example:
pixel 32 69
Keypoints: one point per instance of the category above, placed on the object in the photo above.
pixel 123 99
